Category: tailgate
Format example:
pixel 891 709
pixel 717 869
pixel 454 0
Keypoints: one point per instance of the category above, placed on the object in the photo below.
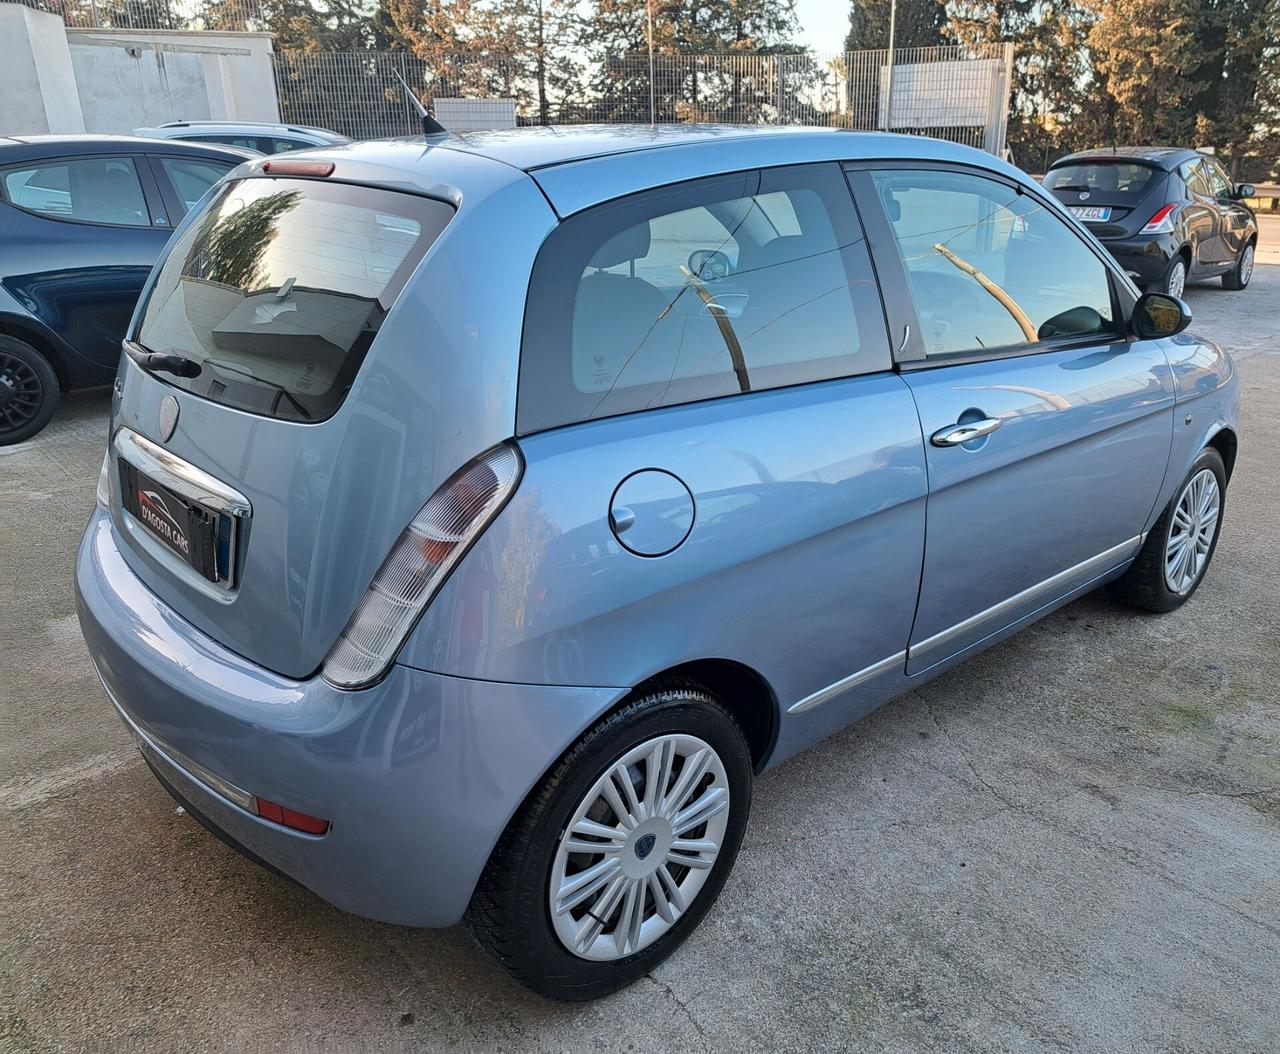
pixel 312 419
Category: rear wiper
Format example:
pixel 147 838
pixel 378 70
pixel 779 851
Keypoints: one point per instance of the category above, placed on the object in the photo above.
pixel 150 360
pixel 1072 186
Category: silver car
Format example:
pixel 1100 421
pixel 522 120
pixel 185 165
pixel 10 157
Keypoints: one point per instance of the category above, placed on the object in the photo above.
pixel 264 137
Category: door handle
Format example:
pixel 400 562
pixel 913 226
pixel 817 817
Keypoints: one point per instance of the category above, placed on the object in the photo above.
pixel 954 435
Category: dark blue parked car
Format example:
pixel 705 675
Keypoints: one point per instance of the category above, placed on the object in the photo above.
pixel 82 219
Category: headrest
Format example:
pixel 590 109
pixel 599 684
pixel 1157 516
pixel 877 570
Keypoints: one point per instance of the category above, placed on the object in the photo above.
pixel 630 244
pixel 892 206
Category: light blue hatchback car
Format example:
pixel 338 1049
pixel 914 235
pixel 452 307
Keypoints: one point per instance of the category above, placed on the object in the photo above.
pixel 481 512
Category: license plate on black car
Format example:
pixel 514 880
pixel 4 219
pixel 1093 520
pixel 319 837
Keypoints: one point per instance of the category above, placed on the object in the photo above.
pixel 186 529
pixel 1092 213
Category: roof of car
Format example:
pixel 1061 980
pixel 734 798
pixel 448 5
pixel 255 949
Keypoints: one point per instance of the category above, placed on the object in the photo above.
pixel 538 147
pixel 1164 157
pixel 254 126
pixel 22 147
pixel 582 165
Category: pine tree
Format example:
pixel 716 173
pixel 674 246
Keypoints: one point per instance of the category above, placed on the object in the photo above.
pixel 918 24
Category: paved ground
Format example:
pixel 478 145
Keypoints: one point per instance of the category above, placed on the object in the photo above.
pixel 1071 842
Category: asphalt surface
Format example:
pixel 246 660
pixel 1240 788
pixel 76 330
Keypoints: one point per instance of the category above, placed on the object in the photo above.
pixel 1071 842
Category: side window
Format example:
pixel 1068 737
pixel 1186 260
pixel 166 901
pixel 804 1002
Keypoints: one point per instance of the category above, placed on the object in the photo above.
pixel 990 267
pixel 191 177
pixel 92 189
pixel 246 142
pixel 1220 185
pixel 274 145
pixel 1194 178
pixel 704 289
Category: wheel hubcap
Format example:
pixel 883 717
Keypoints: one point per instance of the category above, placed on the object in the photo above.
pixel 639 847
pixel 1177 279
pixel 1191 531
pixel 20 393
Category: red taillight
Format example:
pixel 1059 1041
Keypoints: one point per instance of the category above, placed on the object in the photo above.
pixel 299 821
pixel 1161 222
pixel 298 168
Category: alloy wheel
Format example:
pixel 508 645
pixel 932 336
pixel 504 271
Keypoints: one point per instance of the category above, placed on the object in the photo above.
pixel 1246 265
pixel 21 392
pixel 1191 531
pixel 639 847
pixel 1177 280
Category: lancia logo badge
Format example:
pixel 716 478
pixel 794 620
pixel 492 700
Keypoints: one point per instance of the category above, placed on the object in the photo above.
pixel 1084 195
pixel 168 417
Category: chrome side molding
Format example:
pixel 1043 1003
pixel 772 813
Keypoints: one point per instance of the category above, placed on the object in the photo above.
pixel 1084 569
pixel 845 683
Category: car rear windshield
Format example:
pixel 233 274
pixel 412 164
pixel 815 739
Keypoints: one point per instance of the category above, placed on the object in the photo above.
pixel 1107 177
pixel 275 292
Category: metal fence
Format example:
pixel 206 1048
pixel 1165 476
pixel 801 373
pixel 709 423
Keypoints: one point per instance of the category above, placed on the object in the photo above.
pixel 956 93
pixel 154 14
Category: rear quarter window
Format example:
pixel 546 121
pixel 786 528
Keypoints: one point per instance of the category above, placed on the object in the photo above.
pixel 716 287
pixel 278 289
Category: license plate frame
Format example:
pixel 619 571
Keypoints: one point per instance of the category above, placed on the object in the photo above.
pixel 1092 213
pixel 187 529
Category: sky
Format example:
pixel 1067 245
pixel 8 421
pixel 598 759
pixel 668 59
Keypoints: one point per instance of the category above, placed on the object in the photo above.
pixel 823 23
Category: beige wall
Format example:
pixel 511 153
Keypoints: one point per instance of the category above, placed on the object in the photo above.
pixel 131 78
pixel 36 79
pixel 59 79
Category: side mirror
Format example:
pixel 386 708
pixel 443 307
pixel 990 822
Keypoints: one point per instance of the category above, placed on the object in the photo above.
pixel 1159 315
pixel 1245 190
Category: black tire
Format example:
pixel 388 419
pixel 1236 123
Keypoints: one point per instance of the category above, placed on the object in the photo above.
pixel 28 391
pixel 510 913
pixel 1144 584
pixel 1239 275
pixel 1170 284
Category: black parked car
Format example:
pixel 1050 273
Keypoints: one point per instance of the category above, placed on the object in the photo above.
pixel 1169 216
pixel 82 219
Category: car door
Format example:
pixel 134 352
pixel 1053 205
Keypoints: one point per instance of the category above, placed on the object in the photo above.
pixel 1203 218
pixel 719 458
pixel 1234 219
pixel 1047 431
pixel 86 231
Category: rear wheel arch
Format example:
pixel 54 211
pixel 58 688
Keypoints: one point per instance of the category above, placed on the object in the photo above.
pixel 28 334
pixel 739 689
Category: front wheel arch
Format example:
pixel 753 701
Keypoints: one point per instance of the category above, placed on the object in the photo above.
pixel 1226 443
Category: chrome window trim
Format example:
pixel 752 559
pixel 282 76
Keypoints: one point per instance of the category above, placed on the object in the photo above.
pixel 1048 585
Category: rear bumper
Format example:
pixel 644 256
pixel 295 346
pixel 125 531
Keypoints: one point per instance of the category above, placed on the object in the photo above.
pixel 418 775
pixel 1144 259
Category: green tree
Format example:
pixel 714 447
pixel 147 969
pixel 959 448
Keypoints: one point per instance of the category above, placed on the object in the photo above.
pixel 1055 97
pixel 614 33
pixel 1194 72
pixel 919 24
pixel 296 25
